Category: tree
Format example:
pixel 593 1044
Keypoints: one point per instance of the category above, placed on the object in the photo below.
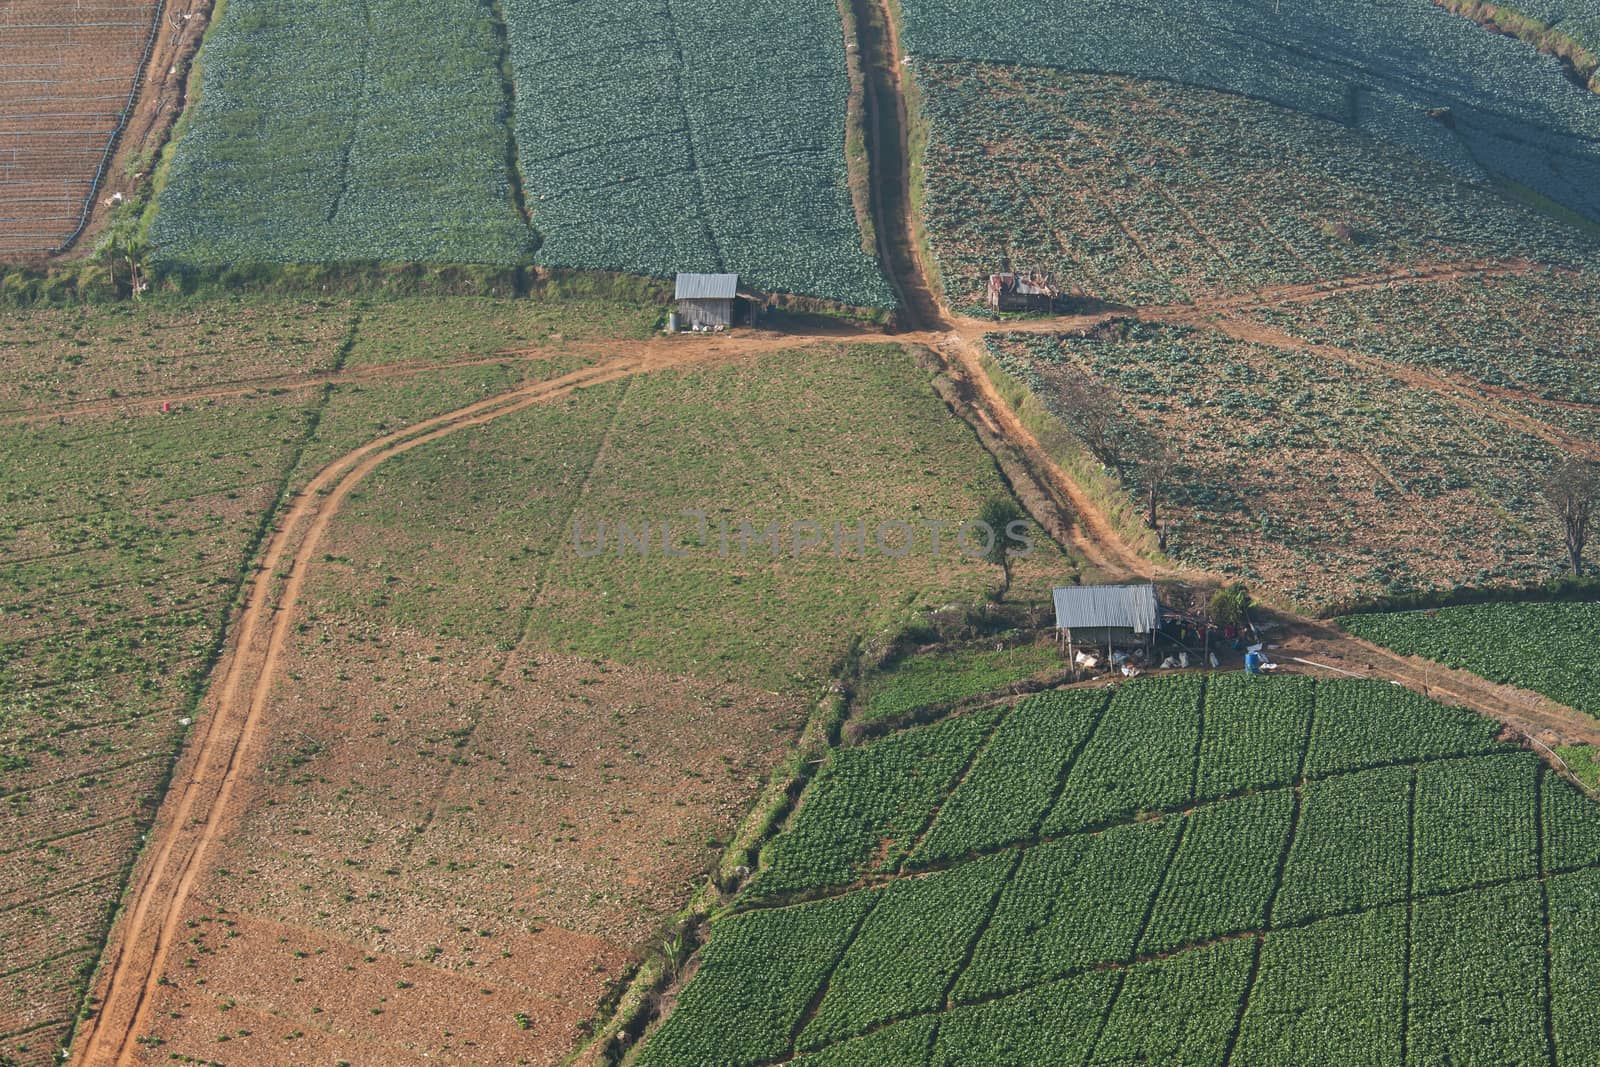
pixel 998 513
pixel 1157 458
pixel 1095 417
pixel 1229 605
pixel 1571 489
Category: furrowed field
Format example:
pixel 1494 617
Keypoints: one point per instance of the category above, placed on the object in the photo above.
pixel 1323 479
pixel 1384 69
pixel 1548 648
pixel 1294 872
pixel 495 766
pixel 66 75
pixel 1145 192
pixel 126 533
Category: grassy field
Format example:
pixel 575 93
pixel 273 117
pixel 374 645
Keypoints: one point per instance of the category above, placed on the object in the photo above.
pixel 1548 648
pixel 126 532
pixel 1190 914
pixel 495 766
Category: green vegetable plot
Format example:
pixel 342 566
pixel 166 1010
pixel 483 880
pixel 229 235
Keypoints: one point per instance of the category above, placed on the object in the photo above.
pixel 702 135
pixel 347 130
pixel 1361 878
pixel 1549 648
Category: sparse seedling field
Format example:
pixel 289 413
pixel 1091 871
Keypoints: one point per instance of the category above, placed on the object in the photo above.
pixel 1389 879
pixel 125 534
pixel 486 741
pixel 1321 479
pixel 1130 191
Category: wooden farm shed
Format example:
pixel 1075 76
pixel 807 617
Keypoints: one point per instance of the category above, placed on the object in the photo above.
pixel 1096 616
pixel 1034 291
pixel 706 299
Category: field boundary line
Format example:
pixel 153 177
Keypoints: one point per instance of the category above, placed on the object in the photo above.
pixel 978 752
pixel 1541 773
pixel 1289 837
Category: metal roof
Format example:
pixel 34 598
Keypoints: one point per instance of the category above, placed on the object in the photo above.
pixel 707 287
pixel 1117 606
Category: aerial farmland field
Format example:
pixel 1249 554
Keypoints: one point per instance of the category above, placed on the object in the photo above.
pixel 1188 925
pixel 446 620
pixel 68 73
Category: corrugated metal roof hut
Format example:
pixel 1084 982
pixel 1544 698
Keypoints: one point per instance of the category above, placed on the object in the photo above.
pixel 706 299
pixel 1107 615
pixel 1035 291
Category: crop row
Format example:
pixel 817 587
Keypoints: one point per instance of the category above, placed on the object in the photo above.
pixel 1548 648
pixel 1511 110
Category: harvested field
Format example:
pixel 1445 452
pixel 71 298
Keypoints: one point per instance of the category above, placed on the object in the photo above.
pixel 68 73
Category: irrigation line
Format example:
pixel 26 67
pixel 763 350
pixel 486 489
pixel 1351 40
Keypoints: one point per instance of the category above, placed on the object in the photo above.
pixel 156 22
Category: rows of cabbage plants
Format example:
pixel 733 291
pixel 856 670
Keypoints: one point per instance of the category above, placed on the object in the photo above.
pixel 1254 732
pixel 1014 783
pixel 1225 873
pixel 1152 193
pixel 1325 479
pixel 1364 819
pixel 1141 757
pixel 698 135
pixel 1512 111
pixel 1548 648
pixel 1475 959
pixel 1136 942
pixel 1331 992
pixel 1476 822
pixel 1530 332
pixel 864 810
pixel 346 130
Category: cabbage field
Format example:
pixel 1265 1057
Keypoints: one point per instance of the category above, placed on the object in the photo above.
pixel 345 130
pixel 1305 872
pixel 704 135
pixel 1146 192
pixel 1378 66
pixel 650 137
pixel 1319 475
pixel 1548 648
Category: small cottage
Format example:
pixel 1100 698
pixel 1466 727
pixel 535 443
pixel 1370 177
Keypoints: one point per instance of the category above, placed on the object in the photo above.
pixel 1102 616
pixel 706 300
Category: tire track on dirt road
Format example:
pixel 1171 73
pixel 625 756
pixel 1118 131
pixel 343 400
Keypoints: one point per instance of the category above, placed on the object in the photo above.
pixel 193 815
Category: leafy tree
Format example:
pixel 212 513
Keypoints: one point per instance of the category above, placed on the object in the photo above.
pixel 1229 605
pixel 998 513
